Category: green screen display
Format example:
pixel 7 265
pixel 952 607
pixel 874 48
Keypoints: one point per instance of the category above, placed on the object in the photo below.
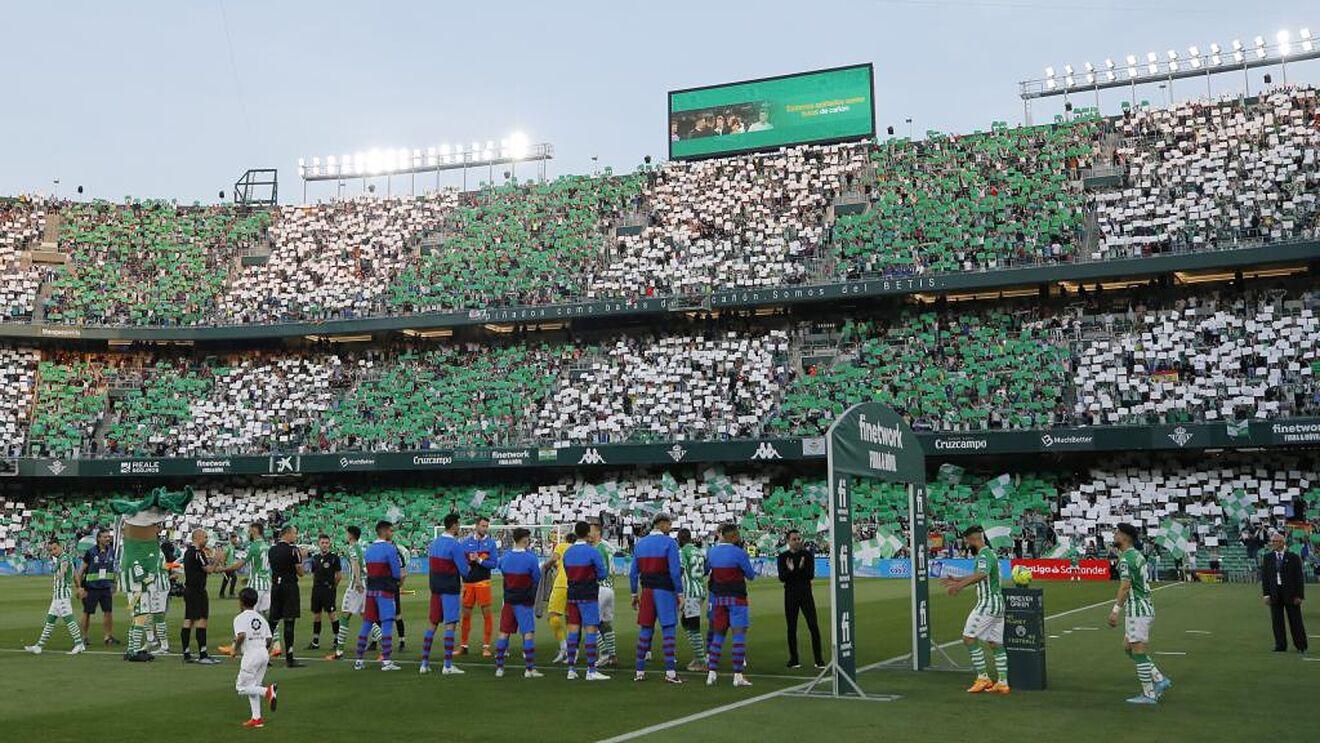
pixel 824 106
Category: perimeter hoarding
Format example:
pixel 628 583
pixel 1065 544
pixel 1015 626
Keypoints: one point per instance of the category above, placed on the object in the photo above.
pixel 831 105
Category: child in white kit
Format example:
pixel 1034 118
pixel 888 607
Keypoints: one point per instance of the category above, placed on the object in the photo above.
pixel 252 638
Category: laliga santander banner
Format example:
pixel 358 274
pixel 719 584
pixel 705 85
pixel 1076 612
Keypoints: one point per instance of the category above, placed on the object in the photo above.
pixel 1059 569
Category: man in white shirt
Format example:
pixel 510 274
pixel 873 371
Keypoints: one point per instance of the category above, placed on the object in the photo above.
pixel 252 638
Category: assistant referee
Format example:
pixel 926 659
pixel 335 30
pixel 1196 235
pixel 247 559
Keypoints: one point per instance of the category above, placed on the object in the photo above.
pixel 196 603
pixel 286 567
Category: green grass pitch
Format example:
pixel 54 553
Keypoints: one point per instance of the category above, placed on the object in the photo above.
pixel 1228 685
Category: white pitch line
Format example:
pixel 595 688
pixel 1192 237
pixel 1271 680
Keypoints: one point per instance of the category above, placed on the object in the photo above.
pixel 1198 631
pixel 713 711
pixel 1170 652
pixel 349 661
pixel 1311 660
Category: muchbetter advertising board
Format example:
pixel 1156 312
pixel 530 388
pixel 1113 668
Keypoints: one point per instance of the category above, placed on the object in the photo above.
pixel 870 440
pixel 832 105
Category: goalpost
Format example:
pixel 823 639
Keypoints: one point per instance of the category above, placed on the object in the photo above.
pixel 871 440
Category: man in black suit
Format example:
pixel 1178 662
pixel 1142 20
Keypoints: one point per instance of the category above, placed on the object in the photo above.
pixel 797 566
pixel 1284 588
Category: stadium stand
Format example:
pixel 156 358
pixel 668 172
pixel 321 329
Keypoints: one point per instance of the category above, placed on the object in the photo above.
pixel 1201 175
pixel 147 262
pixel 1209 357
pixel 332 260
pixel 977 202
pixel 955 372
pixel 518 244
pixel 674 387
pixel 22 223
pixel 472 395
pixel 70 401
pixel 750 221
pixel 18 372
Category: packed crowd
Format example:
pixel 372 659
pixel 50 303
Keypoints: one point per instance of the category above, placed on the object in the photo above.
pixel 22 222
pixel 1201 175
pixel 972 203
pixel 147 262
pixel 1195 176
pixel 1205 506
pixel 754 221
pixel 1171 357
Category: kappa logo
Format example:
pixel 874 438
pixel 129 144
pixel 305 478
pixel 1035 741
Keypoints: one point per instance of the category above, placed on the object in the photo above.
pixel 766 450
pixel 56 467
pixel 1181 436
pixel 591 456
pixel 677 453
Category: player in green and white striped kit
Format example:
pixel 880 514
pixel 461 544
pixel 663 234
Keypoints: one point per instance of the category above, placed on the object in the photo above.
pixel 355 595
pixel 985 623
pixel 61 600
pixel 605 599
pixel 1134 601
pixel 692 560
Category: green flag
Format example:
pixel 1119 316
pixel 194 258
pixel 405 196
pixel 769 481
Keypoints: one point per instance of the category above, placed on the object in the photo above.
pixel 951 473
pixel 999 534
pixel 1001 487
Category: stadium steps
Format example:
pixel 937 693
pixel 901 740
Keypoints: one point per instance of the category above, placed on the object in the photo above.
pixel 1235 564
pixel 47 251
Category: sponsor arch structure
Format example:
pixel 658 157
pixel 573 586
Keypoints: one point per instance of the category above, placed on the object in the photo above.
pixel 870 440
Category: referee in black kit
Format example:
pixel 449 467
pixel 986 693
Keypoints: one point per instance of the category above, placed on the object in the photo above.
pixel 286 566
pixel 326 567
pixel 197 564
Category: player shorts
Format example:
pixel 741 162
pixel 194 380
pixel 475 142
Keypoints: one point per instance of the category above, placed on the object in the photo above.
pixel 353 601
pixel 444 608
pixel 377 609
pixel 102 597
pixel 323 599
pixel 476 594
pixel 726 613
pixel 196 605
pixel 657 604
pixel 986 627
pixel 148 602
pixel 517 619
pixel 1137 629
pixel 693 606
pixel 252 669
pixel 263 601
pixel 584 613
pixel 558 601
pixel 284 603
pixel 60 607
pixel 606 601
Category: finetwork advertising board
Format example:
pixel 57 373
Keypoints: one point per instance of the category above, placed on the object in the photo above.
pixel 824 106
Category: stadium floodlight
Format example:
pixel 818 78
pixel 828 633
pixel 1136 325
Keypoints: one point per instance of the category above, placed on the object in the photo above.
pixel 1307 44
pixel 1284 42
pixel 1132 66
pixel 390 161
pixel 518 145
pixel 1152 63
pixel 1049 78
pixel 1194 57
pixel 1173 61
pixel 1215 59
pixel 1260 47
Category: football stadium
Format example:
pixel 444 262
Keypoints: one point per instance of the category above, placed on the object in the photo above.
pixel 605 373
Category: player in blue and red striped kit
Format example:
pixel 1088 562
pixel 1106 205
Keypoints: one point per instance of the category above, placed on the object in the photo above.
pixel 729 569
pixel 656 569
pixel 447 563
pixel 383 573
pixel 521 569
pixel 585 568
